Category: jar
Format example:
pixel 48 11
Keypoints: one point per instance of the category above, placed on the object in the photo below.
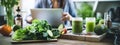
pixel 18 20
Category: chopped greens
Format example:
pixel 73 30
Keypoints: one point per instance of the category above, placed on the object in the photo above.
pixel 38 30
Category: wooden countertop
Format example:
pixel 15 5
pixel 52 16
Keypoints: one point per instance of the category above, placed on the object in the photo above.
pixel 7 41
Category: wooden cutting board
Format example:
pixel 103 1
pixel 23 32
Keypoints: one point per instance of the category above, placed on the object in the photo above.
pixel 34 41
pixel 83 37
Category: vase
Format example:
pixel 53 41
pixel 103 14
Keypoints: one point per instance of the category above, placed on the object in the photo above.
pixel 9 16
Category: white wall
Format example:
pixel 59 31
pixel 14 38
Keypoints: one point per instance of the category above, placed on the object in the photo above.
pixel 27 5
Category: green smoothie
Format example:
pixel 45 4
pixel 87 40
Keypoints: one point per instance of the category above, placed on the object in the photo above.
pixel 90 26
pixel 77 26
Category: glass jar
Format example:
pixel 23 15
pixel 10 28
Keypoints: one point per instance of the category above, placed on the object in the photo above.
pixel 90 24
pixel 77 25
pixel 18 20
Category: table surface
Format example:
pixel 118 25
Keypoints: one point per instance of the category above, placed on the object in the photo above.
pixel 7 41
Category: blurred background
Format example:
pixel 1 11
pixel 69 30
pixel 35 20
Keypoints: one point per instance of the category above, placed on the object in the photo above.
pixel 82 6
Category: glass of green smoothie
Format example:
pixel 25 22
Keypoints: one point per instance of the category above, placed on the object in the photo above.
pixel 90 24
pixel 77 24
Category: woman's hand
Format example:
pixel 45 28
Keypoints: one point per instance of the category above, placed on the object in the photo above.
pixel 29 19
pixel 66 16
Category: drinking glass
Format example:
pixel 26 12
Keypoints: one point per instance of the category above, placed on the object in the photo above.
pixel 90 24
pixel 77 24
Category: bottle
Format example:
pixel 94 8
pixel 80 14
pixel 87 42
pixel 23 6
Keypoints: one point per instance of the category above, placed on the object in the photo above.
pixel 108 20
pixel 18 18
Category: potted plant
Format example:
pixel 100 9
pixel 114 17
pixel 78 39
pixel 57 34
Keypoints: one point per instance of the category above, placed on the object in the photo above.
pixel 86 10
pixel 9 4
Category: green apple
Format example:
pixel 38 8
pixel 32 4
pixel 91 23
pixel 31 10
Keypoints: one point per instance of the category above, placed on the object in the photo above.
pixel 101 21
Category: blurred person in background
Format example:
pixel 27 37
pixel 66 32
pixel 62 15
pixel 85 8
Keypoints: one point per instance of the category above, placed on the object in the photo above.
pixel 67 5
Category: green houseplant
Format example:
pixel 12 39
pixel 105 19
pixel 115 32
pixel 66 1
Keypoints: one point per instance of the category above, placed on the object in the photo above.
pixel 85 10
pixel 9 4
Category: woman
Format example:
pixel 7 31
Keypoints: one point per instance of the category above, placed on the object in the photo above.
pixel 66 5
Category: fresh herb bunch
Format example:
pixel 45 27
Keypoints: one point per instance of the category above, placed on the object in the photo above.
pixel 9 4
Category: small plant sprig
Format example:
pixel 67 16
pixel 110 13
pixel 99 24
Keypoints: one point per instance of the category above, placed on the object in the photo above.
pixel 9 3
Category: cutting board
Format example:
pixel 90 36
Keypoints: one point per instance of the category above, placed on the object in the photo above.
pixel 34 41
pixel 83 37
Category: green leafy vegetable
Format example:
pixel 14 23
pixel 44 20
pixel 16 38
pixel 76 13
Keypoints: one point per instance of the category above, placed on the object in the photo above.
pixel 18 35
pixel 38 30
pixel 56 33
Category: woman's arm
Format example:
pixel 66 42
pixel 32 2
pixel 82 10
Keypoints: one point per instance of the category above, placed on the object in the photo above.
pixel 38 4
pixel 70 8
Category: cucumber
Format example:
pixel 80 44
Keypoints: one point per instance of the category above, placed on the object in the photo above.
pixel 50 33
pixel 60 28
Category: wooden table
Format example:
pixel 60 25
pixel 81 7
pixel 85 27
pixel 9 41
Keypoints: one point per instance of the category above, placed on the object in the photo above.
pixel 7 41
